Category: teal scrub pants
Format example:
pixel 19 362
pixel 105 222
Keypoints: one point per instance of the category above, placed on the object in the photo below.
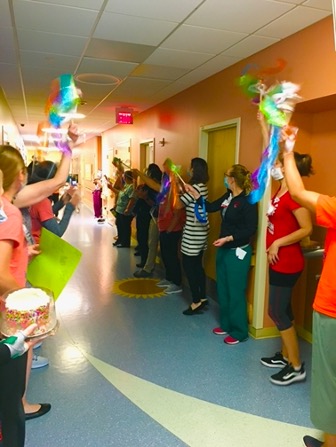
pixel 232 277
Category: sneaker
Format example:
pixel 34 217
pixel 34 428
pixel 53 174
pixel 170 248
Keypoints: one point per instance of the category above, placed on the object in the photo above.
pixel 173 288
pixel 39 362
pixel 232 341
pixel 277 361
pixel 309 441
pixel 163 283
pixel 142 274
pixel 218 331
pixel 289 375
pixel 38 345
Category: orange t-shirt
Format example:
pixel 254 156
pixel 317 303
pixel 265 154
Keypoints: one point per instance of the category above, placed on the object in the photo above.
pixel 325 298
pixel 12 230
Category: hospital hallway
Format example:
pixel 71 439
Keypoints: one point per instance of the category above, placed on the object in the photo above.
pixel 128 369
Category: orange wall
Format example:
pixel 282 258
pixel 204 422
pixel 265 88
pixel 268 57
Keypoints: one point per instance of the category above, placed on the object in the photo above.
pixel 311 62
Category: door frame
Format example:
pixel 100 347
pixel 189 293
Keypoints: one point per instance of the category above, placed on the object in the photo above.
pixel 260 274
pixel 204 136
pixel 143 145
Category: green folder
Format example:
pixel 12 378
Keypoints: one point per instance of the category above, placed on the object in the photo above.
pixel 53 268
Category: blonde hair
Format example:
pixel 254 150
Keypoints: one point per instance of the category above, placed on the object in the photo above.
pixel 242 177
pixel 11 163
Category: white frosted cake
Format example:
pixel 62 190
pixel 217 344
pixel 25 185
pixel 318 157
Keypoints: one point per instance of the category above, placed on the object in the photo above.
pixel 26 306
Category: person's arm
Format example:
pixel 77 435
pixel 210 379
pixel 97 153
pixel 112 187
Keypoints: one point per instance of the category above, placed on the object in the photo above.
pixel 303 218
pixel 211 207
pixel 34 193
pixel 7 280
pixel 296 187
pixel 59 228
pixel 149 181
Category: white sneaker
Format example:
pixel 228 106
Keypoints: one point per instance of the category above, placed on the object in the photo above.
pixel 38 345
pixel 39 362
pixel 173 288
pixel 163 283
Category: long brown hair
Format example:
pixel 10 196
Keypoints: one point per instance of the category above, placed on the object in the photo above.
pixel 11 163
pixel 242 177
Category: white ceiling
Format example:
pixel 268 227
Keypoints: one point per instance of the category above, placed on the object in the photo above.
pixel 156 48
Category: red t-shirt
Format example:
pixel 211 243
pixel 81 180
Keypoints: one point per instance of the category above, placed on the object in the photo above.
pixel 281 222
pixel 12 230
pixel 40 212
pixel 166 214
pixel 325 298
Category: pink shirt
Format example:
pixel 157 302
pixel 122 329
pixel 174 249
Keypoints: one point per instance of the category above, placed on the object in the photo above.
pixel 12 230
pixel 40 212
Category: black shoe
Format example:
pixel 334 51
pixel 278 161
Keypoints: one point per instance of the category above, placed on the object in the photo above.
pixel 289 375
pixel 44 409
pixel 205 301
pixel 191 311
pixel 309 441
pixel 136 253
pixel 277 361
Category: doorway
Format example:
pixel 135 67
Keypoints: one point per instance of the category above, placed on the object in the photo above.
pixel 220 147
pixel 146 154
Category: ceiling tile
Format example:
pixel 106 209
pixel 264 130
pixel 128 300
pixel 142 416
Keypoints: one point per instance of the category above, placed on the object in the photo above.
pixel 114 68
pixel 54 19
pixel 7 48
pixel 138 88
pixel 158 72
pixel 5 18
pixel 174 58
pixel 173 10
pixel 85 4
pixel 200 39
pixel 10 80
pixel 132 29
pixel 249 46
pixel 319 4
pixel 292 22
pixel 60 63
pixel 244 16
pixel 32 40
pixel 123 51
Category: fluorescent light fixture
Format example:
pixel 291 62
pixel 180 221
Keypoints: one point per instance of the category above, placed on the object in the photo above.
pixel 52 130
pixel 72 116
pixel 32 138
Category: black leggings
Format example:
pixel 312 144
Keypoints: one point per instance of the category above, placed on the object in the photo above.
pixel 193 267
pixel 280 297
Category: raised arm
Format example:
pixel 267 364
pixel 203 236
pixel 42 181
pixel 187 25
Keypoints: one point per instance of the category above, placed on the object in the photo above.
pixel 296 187
pixel 149 181
pixel 34 193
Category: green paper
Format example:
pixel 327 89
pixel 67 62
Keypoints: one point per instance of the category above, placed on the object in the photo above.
pixel 53 268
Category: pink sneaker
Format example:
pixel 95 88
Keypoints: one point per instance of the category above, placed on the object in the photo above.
pixel 218 331
pixel 230 340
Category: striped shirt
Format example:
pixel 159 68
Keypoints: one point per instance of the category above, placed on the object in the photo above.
pixel 195 233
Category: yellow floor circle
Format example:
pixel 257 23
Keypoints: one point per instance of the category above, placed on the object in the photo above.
pixel 138 288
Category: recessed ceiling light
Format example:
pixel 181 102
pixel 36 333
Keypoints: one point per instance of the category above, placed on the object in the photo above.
pixel 97 79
